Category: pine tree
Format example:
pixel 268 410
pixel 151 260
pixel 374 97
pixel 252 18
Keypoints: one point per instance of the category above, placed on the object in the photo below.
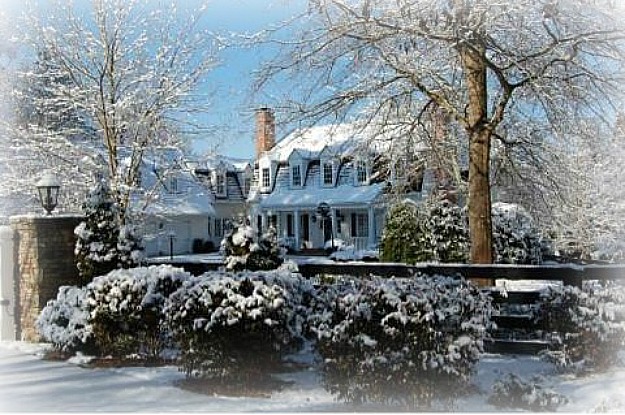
pixel 103 244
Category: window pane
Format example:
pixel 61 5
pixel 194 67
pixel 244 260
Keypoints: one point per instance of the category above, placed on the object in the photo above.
pixel 265 177
pixel 296 176
pixel 327 173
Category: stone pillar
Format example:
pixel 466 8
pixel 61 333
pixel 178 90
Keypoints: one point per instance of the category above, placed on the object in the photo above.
pixel 44 254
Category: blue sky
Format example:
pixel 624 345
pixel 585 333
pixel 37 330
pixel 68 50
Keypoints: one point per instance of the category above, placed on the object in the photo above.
pixel 232 113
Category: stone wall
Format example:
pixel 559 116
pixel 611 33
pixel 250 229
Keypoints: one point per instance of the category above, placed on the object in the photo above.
pixel 44 252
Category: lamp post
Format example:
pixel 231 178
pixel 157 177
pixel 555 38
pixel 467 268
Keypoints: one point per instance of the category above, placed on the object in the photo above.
pixel 48 188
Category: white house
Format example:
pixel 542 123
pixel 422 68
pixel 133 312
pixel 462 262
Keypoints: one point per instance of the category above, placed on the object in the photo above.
pixel 322 183
pixel 176 208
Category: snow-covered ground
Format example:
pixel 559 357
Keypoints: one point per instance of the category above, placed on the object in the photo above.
pixel 30 384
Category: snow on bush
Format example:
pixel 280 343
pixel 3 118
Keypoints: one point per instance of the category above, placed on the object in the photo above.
pixel 64 321
pixel 102 243
pixel 125 308
pixel 242 251
pixel 588 325
pixel 516 393
pixel 400 341
pixel 515 238
pixel 436 230
pixel 235 326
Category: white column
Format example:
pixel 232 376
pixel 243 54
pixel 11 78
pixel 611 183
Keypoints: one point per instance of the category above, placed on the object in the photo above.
pixel 371 223
pixel 296 220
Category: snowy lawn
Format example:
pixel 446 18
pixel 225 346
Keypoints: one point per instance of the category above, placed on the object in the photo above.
pixel 30 384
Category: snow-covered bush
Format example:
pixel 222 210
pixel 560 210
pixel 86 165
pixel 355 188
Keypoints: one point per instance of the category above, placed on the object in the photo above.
pixel 399 243
pixel 449 231
pixel 241 251
pixel 587 325
pixel 435 230
pixel 64 321
pixel 234 326
pixel 103 245
pixel 515 238
pixel 399 341
pixel 516 393
pixel 125 309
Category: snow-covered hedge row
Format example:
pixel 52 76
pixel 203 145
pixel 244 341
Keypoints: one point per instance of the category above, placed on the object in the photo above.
pixel 588 325
pixel 232 326
pixel 399 340
pixel 64 321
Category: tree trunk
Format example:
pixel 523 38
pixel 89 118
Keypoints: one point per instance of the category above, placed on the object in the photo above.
pixel 479 204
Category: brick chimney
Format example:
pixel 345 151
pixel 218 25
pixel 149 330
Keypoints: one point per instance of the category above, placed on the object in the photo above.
pixel 265 130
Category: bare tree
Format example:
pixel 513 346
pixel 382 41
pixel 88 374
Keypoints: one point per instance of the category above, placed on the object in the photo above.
pixel 515 72
pixel 114 80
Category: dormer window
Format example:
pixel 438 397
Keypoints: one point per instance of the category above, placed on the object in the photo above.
pixel 328 174
pixel 265 178
pixel 361 172
pixel 296 176
pixel 220 184
pixel 173 185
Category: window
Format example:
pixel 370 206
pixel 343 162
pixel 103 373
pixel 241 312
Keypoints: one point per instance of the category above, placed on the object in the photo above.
pixel 173 185
pixel 247 184
pixel 289 225
pixel 220 187
pixel 327 174
pixel 361 172
pixel 296 176
pixel 265 177
pixel 219 230
pixel 360 225
pixel 208 229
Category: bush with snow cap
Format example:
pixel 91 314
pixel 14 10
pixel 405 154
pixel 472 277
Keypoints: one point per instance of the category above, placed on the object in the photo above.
pixel 125 309
pixel 234 326
pixel 399 341
pixel 64 322
pixel 587 325
pixel 515 238
pixel 243 252
pixel 514 392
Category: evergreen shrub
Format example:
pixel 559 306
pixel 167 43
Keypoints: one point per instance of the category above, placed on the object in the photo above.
pixel 587 325
pixel 399 341
pixel 232 327
pixel 242 251
pixel 515 238
pixel 125 309
pixel 434 230
pixel 64 322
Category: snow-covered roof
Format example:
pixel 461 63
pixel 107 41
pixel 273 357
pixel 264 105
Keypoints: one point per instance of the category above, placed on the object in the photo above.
pixel 310 197
pixel 191 203
pixel 341 139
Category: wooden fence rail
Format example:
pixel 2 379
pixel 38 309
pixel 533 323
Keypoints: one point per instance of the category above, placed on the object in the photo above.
pixel 569 274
